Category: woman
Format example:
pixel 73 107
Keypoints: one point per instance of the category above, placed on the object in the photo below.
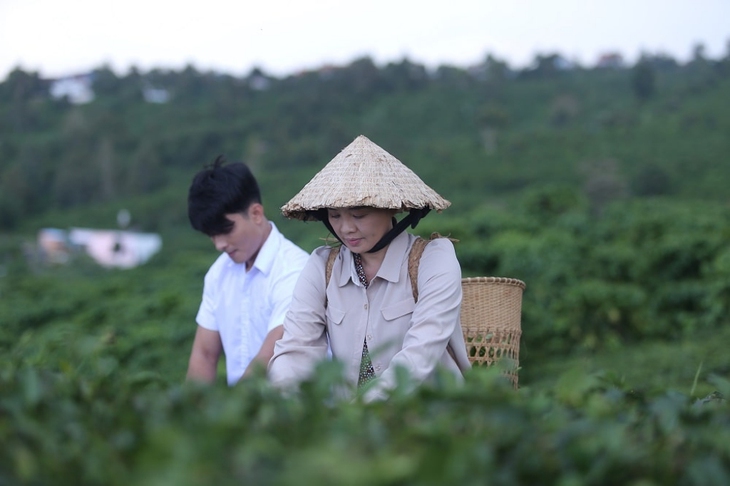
pixel 366 311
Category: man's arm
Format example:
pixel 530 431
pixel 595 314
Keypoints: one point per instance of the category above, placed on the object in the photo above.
pixel 262 358
pixel 207 348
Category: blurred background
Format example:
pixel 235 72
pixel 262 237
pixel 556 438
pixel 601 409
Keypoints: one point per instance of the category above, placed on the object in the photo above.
pixel 584 146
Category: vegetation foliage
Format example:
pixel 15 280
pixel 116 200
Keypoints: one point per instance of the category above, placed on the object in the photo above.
pixel 604 189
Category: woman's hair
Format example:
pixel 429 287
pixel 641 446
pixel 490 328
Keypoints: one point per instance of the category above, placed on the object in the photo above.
pixel 217 190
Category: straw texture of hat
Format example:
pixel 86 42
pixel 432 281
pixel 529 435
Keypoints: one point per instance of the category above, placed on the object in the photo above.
pixel 363 174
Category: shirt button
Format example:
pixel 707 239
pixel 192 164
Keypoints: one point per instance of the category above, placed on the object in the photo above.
pixel 365 307
pixel 370 337
pixel 377 367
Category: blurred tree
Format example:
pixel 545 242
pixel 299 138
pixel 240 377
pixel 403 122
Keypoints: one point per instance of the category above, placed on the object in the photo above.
pixel 643 80
pixel 22 86
pixel 131 87
pixel 76 176
pixel 228 96
pixel 15 192
pixel 404 75
pixel 191 84
pixel 258 80
pixel 492 118
pixel 545 66
pixel 76 179
pixel 547 202
pixel 105 159
pixel 18 90
pixel 699 53
pixel 11 210
pixel 563 109
pixel 362 77
pixel 144 171
pixel 493 115
pixel 453 77
pixel 661 61
pixel 652 180
pixel 495 70
pixel 105 82
pixel 603 183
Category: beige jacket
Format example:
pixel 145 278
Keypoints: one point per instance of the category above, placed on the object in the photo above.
pixel 399 331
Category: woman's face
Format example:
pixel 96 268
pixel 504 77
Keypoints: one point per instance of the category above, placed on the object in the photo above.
pixel 360 228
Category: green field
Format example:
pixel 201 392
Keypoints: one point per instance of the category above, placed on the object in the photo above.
pixel 604 192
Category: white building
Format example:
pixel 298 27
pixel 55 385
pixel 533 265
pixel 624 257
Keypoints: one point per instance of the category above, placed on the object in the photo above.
pixel 109 248
pixel 78 89
pixel 112 248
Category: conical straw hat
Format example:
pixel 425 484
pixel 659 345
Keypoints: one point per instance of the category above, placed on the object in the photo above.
pixel 363 174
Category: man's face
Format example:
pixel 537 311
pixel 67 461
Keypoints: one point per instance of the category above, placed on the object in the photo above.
pixel 243 242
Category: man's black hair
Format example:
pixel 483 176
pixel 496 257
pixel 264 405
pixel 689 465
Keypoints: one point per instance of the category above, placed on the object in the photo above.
pixel 220 188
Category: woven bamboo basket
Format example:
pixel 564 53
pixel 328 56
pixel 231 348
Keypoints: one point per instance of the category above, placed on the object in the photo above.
pixel 491 312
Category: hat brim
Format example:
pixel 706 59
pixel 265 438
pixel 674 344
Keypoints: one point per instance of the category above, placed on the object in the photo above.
pixel 363 175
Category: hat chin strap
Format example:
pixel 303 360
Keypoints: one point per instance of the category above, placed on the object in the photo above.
pixel 414 216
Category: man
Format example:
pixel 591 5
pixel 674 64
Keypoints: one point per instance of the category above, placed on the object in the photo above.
pixel 248 289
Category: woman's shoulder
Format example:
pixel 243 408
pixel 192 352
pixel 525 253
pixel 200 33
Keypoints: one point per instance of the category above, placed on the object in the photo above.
pixel 320 255
pixel 438 244
pixel 439 254
pixel 323 252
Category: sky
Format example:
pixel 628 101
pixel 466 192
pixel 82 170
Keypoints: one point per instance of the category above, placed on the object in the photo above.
pixel 59 38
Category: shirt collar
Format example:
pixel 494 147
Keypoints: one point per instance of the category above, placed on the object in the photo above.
pixel 267 254
pixel 389 269
pixel 394 254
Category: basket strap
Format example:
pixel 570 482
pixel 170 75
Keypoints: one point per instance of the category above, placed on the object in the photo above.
pixel 414 259
pixel 328 269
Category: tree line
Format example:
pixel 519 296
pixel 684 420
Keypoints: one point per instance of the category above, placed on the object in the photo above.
pixel 504 129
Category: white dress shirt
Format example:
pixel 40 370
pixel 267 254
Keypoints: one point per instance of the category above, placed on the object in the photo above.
pixel 243 306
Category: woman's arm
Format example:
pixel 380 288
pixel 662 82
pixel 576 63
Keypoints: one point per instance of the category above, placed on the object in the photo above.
pixel 304 342
pixel 262 358
pixel 434 319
